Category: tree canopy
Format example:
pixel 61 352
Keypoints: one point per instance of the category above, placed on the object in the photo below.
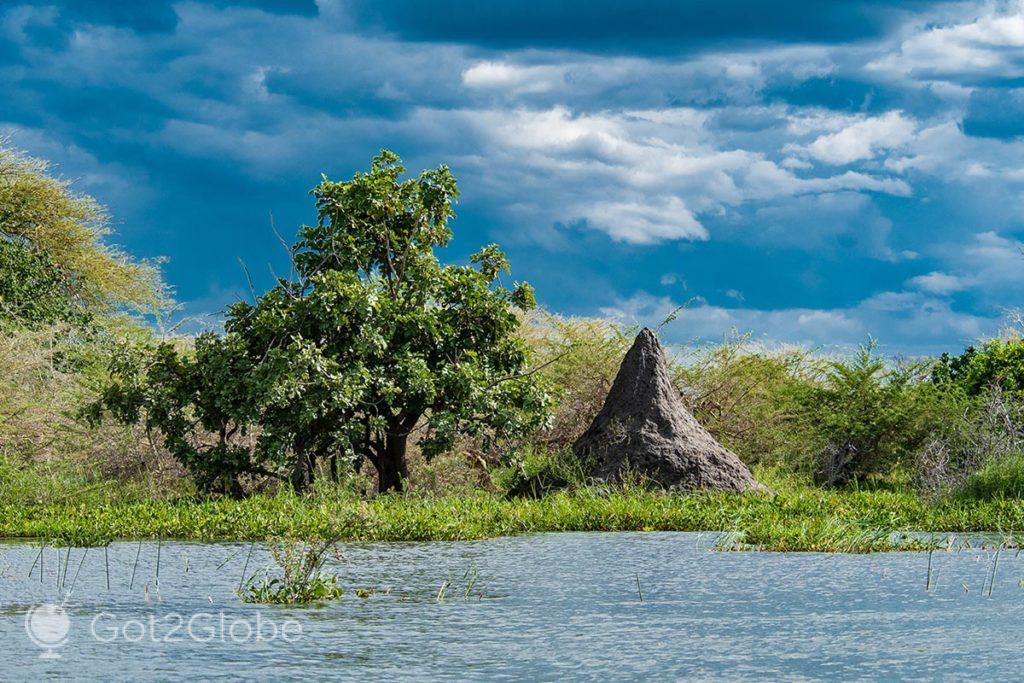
pixel 372 341
pixel 58 238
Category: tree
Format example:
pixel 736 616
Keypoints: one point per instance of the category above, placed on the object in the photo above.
pixel 371 342
pixel 32 289
pixel 871 414
pixel 997 364
pixel 63 235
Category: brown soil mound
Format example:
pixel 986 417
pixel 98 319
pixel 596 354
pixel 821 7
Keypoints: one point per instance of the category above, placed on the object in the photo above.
pixel 644 427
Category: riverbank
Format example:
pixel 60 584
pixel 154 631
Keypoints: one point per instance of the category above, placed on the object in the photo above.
pixel 795 518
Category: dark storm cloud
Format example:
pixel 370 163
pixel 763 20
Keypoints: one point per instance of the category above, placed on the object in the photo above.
pixel 654 26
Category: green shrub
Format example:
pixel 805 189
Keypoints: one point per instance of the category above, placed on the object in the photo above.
pixel 870 416
pixel 996 480
pixel 535 473
pixel 997 363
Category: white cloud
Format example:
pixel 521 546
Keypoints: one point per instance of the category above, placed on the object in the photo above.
pixel 640 176
pixel 863 139
pixel 512 78
pixel 899 319
pixel 643 223
pixel 938 283
pixel 988 264
pixel 992 43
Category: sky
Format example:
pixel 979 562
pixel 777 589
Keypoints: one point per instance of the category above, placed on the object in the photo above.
pixel 805 172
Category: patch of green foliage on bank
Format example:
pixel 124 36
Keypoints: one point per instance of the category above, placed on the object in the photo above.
pixel 797 517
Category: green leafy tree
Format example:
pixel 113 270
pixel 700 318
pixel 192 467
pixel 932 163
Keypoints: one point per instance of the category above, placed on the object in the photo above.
pixel 997 364
pixel 372 342
pixel 32 289
pixel 66 233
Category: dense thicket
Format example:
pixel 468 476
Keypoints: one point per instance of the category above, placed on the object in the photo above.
pixel 67 296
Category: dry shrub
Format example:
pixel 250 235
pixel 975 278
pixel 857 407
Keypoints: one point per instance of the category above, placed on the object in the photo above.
pixel 974 433
pixel 748 396
pixel 581 357
pixel 458 471
pixel 46 376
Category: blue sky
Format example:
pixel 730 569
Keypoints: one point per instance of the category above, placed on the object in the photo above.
pixel 808 172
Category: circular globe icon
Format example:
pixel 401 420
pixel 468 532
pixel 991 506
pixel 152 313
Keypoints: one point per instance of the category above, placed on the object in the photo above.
pixel 48 626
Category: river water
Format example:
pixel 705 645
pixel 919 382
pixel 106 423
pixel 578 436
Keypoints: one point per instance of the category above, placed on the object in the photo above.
pixel 572 606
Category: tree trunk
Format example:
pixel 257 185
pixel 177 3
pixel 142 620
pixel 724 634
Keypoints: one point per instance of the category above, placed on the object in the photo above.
pixel 392 470
pixel 303 472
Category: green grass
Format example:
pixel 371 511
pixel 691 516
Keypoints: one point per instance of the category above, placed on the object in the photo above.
pixel 1001 480
pixel 797 518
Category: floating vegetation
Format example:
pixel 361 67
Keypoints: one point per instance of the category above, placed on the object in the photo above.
pixel 302 580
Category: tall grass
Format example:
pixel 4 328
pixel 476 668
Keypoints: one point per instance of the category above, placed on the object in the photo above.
pixel 998 480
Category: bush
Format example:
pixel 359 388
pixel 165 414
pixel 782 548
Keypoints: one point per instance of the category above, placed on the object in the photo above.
pixel 997 363
pixel 32 290
pixel 49 373
pixel 535 473
pixel 748 397
pixel 969 432
pixel 996 480
pixel 580 358
pixel 869 416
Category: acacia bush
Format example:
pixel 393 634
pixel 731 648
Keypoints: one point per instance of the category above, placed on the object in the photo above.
pixel 750 398
pixel 69 233
pixel 579 357
pixel 49 374
pixel 65 296
pixel 871 416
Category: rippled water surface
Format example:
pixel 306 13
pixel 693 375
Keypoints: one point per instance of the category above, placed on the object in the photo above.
pixel 543 607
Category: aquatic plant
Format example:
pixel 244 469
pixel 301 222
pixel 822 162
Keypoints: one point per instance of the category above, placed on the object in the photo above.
pixel 302 580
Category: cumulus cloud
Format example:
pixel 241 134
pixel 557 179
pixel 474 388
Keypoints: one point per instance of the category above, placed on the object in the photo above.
pixel 991 44
pixel 646 164
pixel 861 138
pixel 988 264
pixel 938 283
pixel 899 319
pixel 640 176
pixel 642 223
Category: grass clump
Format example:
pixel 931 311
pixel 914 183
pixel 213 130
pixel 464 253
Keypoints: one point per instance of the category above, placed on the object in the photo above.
pixel 302 581
pixel 997 480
